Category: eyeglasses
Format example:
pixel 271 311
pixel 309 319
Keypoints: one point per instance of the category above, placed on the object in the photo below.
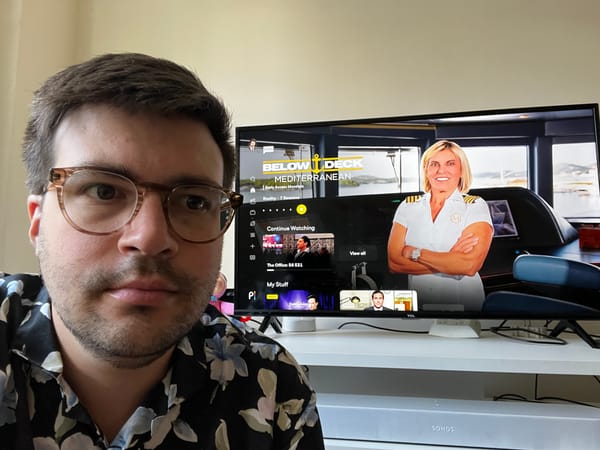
pixel 100 202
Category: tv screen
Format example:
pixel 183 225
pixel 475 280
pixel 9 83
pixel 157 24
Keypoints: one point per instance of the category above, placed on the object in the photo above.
pixel 321 200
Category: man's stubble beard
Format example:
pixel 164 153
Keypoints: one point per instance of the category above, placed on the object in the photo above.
pixel 75 294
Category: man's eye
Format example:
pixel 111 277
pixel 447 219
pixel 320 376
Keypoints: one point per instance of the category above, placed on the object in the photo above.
pixel 197 203
pixel 105 192
pixel 101 191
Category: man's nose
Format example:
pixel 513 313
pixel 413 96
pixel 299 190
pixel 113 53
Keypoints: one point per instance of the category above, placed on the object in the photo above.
pixel 149 232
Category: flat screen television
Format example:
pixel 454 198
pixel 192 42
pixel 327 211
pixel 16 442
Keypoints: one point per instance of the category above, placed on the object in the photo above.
pixel 337 185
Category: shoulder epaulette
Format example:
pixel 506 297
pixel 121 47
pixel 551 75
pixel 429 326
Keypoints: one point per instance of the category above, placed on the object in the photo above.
pixel 413 198
pixel 470 198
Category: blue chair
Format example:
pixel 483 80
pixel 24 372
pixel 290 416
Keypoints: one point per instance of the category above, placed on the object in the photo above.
pixel 553 270
pixel 541 272
pixel 550 271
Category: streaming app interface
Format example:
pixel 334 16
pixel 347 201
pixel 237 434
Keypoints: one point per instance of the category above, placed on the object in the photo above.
pixel 312 233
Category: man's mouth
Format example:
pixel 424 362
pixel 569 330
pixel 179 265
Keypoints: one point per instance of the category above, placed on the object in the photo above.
pixel 144 292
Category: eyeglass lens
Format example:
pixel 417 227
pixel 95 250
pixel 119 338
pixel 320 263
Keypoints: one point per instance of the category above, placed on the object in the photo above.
pixel 102 202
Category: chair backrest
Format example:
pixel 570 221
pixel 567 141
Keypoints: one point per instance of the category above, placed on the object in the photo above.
pixel 550 271
pixel 540 230
pixel 556 271
pixel 537 223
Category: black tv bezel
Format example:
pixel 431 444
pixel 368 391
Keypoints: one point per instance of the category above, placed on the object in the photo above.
pixel 419 314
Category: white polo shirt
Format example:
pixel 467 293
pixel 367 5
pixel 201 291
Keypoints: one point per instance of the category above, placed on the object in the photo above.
pixel 459 211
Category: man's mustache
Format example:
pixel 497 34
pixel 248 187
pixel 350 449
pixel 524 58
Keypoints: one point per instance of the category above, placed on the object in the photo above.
pixel 142 267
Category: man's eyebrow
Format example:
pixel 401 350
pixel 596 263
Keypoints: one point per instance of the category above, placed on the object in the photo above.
pixel 189 179
pixel 179 180
pixel 109 167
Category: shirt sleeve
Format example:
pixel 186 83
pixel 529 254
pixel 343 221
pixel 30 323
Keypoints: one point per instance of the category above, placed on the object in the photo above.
pixel 401 215
pixel 479 211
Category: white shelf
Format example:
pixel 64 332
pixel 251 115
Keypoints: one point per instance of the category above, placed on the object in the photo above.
pixel 460 371
pixel 489 353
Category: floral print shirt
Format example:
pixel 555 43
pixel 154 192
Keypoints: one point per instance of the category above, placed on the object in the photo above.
pixel 228 387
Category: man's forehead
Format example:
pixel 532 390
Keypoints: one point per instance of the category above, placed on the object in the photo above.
pixel 142 146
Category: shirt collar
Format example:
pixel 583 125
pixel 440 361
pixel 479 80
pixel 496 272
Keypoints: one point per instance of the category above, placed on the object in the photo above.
pixel 35 339
pixel 456 195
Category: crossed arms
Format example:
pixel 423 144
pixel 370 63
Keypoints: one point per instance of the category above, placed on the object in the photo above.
pixel 464 258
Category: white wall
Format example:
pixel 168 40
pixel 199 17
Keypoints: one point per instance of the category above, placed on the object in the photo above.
pixel 37 38
pixel 276 61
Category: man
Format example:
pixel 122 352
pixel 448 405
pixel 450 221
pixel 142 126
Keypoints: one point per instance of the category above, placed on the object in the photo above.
pixel 128 161
pixel 313 302
pixel 377 298
pixel 302 254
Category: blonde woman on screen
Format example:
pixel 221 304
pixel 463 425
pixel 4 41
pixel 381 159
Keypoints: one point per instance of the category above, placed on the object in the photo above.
pixel 441 238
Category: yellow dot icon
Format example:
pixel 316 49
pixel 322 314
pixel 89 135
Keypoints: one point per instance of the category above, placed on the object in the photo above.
pixel 301 209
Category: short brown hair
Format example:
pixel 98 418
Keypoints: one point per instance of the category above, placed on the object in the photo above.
pixel 133 82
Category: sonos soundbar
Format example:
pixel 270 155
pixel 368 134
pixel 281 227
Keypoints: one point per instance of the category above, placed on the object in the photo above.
pixel 465 423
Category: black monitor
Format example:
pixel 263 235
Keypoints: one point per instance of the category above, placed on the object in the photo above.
pixel 336 186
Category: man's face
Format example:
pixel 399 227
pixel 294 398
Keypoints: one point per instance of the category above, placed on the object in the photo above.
pixel 128 296
pixel 301 245
pixel 377 300
pixel 312 303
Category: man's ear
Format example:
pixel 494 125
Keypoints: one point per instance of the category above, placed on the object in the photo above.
pixel 34 209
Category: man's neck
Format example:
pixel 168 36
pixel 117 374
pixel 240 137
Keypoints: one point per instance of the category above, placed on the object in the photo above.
pixel 110 394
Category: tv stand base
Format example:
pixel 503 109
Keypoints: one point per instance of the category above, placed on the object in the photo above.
pixel 456 328
pixel 578 330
